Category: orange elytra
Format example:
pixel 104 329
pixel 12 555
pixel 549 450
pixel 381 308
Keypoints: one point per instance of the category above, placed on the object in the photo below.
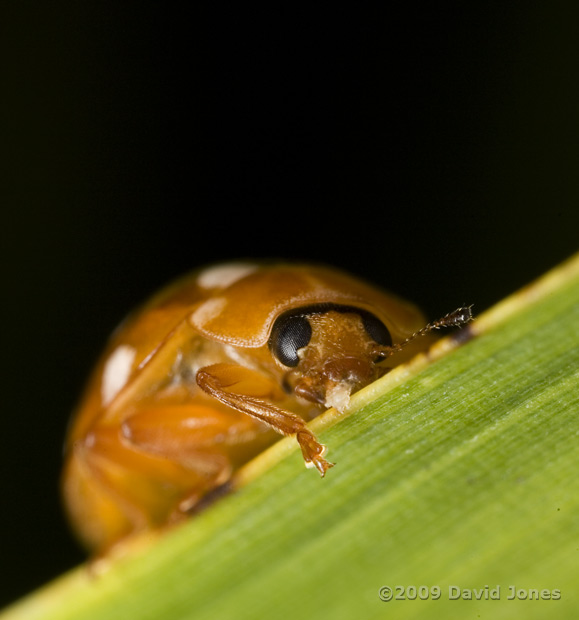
pixel 213 369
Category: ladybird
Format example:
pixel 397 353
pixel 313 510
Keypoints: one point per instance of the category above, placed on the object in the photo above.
pixel 211 371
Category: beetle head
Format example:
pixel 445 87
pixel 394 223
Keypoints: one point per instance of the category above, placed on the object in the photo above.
pixel 331 351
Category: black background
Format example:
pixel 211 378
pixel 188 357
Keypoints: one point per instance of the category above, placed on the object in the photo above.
pixel 431 149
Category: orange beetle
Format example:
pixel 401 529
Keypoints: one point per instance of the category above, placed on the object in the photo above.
pixel 202 378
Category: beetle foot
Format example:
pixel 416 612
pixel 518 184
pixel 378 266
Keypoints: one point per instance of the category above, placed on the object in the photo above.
pixel 313 452
pixel 320 464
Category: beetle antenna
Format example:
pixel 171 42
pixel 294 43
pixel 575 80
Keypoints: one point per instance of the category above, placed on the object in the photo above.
pixel 460 316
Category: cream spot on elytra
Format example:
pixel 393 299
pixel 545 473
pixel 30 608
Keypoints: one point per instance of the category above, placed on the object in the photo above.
pixel 116 372
pixel 208 310
pixel 222 276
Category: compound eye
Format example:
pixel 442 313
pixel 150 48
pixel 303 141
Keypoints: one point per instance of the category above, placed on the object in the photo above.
pixel 376 330
pixel 288 336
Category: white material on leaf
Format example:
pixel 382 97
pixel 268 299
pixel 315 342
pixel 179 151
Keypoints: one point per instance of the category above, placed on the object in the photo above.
pixel 338 396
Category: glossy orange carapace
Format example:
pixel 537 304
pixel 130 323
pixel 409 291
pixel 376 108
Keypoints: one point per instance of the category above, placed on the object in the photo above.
pixel 211 371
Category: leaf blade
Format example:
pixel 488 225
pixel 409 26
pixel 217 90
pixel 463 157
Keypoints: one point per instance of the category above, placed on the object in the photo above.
pixel 459 472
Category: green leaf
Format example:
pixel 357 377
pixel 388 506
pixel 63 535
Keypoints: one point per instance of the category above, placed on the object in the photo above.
pixel 459 469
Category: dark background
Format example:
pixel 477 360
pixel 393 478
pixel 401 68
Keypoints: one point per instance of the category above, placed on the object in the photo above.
pixel 432 150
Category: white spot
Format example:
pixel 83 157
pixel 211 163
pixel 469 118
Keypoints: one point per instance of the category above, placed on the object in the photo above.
pixel 116 372
pixel 222 276
pixel 338 396
pixel 208 310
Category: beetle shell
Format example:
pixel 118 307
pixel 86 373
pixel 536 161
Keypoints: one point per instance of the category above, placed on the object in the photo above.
pixel 197 382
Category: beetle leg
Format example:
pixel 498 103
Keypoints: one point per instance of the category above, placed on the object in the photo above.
pixel 152 470
pixel 245 390
pixel 197 437
pixel 105 489
pixel 209 441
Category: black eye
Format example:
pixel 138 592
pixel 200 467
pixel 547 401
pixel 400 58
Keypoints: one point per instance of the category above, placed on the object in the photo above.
pixel 376 330
pixel 290 334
